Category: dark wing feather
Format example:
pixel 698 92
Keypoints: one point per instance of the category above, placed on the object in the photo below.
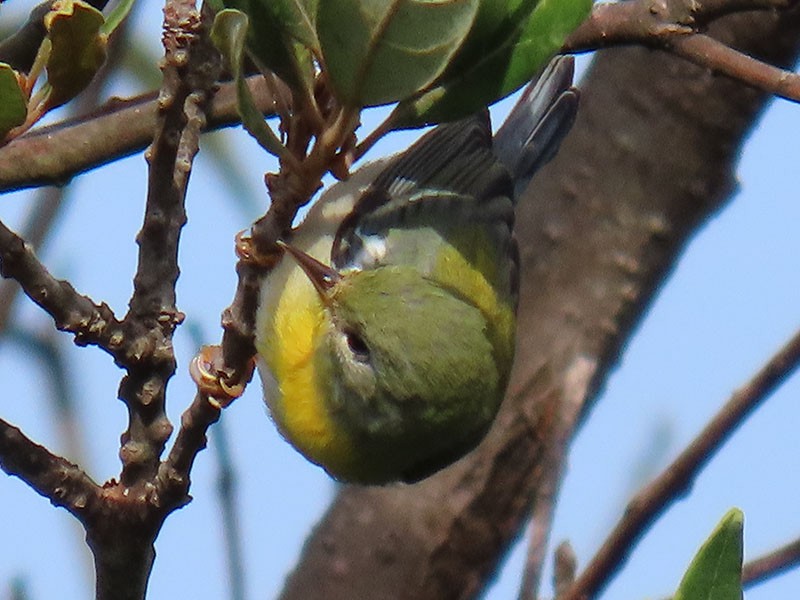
pixel 452 159
pixel 457 179
pixel 542 117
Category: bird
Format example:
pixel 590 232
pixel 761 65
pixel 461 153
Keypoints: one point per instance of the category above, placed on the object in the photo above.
pixel 385 335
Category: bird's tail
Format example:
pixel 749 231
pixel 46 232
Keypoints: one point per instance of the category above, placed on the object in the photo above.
pixel 533 131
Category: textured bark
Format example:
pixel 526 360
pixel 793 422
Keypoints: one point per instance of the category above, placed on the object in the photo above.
pixel 651 157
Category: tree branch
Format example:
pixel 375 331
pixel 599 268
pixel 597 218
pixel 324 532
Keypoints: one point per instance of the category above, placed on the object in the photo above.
pixel 46 155
pixel 122 530
pixel 58 480
pixel 650 502
pixel 41 216
pixel 769 565
pixel 191 67
pixel 675 26
pixel 90 323
pixel 706 51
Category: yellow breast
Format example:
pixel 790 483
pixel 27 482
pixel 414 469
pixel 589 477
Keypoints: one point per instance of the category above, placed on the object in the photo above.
pixel 290 325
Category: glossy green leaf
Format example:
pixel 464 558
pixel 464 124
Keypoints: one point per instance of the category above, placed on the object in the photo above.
pixel 116 16
pixel 229 33
pixel 377 52
pixel 13 103
pixel 277 36
pixel 716 570
pixel 78 48
pixel 510 43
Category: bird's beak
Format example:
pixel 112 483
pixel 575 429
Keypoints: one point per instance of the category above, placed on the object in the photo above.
pixel 323 277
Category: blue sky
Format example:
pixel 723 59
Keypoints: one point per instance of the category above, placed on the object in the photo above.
pixel 732 301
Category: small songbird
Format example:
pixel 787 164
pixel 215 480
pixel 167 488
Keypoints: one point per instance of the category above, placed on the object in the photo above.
pixel 386 333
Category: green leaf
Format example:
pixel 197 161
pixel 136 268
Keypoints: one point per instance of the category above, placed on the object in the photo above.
pixel 13 103
pixel 377 52
pixel 716 569
pixel 299 19
pixel 78 49
pixel 281 38
pixel 117 16
pixel 509 44
pixel 228 34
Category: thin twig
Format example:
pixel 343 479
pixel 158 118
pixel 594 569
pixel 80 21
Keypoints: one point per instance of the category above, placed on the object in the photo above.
pixel 40 219
pixel 91 323
pixel 174 472
pixel 774 563
pixel 674 26
pixel 373 137
pixel 565 566
pixel 61 482
pixel 650 23
pixel 288 191
pixel 652 500
pixel 708 52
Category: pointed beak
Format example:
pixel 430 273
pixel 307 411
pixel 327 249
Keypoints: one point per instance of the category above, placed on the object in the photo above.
pixel 323 277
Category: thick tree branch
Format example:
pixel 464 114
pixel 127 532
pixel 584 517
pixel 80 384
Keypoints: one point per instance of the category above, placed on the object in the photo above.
pixel 650 502
pixel 598 233
pixel 47 155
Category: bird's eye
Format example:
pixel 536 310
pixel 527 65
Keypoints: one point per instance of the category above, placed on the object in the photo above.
pixel 357 346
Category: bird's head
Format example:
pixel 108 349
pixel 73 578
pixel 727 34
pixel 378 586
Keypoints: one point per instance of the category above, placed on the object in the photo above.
pixel 410 372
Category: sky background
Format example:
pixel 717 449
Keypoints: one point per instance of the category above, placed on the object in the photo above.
pixel 732 301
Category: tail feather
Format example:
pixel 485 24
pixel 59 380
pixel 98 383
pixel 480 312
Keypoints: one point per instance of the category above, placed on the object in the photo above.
pixel 533 131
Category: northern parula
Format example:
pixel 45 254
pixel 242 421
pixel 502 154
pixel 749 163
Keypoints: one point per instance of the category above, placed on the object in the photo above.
pixel 386 333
